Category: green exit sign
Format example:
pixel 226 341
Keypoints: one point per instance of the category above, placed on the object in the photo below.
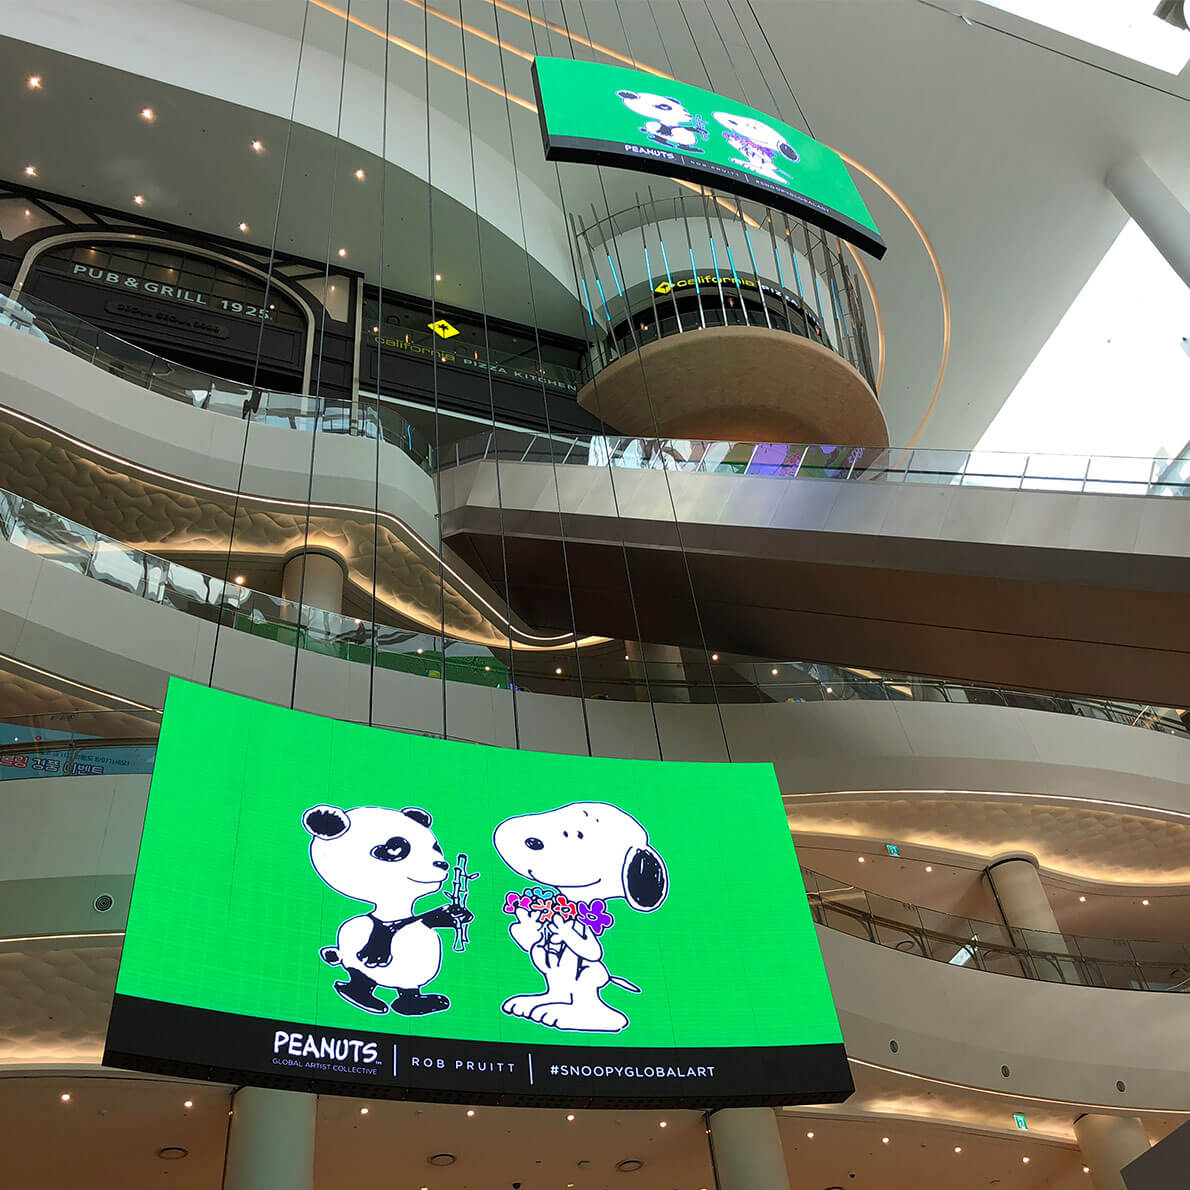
pixel 892 849
pixel 1020 1121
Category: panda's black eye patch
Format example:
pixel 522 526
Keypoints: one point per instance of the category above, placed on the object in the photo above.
pixel 394 849
pixel 437 849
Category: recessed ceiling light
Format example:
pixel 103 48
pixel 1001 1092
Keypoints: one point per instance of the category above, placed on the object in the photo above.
pixel 929 867
pixel 188 1103
pixel 420 652
pixel 884 1140
pixel 437 276
pixel 774 671
pixel 809 1135
pixel 28 212
pixel 571 1117
pixel 375 330
pixel 240 583
pixel 1025 1160
pixel 148 114
pixel 139 199
pixel 662 1124
pixel 830 690
pixel 958 1148
pixel 1145 901
pixel 65 1096
pixel 470 1112
pixel 257 146
pixel 1082 900
pixel 360 175
pixel 487 669
pixel 558 670
pixel 342 251
pixel 861 859
pixel 30 171
pixel 35 82
pixel 1086 1169
pixel 243 227
pixel 714 656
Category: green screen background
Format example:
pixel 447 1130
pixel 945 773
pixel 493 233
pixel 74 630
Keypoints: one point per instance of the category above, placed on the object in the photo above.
pixel 228 914
pixel 579 100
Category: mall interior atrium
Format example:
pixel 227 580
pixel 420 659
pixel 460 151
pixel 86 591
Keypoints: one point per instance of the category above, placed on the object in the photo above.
pixel 685 501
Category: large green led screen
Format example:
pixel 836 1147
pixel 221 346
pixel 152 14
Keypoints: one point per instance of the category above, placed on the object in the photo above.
pixel 330 906
pixel 592 112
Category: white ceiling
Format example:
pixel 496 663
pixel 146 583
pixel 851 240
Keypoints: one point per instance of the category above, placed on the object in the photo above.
pixel 998 143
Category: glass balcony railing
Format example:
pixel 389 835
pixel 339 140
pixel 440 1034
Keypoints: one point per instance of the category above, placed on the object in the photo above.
pixel 372 417
pixel 1108 475
pixel 988 946
pixel 726 679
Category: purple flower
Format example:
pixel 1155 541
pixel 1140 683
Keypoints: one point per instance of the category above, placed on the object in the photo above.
pixel 595 916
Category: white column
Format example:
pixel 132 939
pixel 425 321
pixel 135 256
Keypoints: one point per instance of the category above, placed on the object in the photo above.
pixel 1021 895
pixel 271 1143
pixel 1108 1143
pixel 747 1149
pixel 323 586
pixel 1151 203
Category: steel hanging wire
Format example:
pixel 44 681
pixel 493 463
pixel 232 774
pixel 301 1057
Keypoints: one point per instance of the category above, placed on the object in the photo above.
pixel 253 393
pixel 664 469
pixel 572 242
pixel 434 372
pixel 483 300
pixel 540 367
pixel 326 287
pixel 375 626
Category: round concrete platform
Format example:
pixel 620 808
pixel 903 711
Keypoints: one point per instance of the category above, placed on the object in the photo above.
pixel 741 383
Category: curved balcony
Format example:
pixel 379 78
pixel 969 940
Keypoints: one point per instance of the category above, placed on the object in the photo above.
pixel 704 320
pixel 1132 965
pixel 371 417
pixel 65 543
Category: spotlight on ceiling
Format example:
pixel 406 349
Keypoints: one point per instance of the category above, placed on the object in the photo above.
pixel 257 146
pixel 360 175
pixel 139 199
pixel 148 115
pixel 30 171
pixel 342 251
pixel 35 82
pixel 243 227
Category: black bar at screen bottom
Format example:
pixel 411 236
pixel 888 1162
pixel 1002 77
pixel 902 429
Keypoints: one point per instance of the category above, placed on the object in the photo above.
pixel 198 1043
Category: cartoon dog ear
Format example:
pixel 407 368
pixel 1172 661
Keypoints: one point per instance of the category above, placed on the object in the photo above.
pixel 627 95
pixel 646 882
pixel 790 152
pixel 325 822
pixel 417 815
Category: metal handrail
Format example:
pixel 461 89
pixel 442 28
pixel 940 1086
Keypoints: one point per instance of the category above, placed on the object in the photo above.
pixel 1000 949
pixel 1083 474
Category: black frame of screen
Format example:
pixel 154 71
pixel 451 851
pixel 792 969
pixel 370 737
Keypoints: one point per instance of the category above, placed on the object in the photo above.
pixel 209 1045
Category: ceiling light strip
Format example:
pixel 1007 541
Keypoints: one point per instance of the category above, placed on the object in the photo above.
pixel 46 673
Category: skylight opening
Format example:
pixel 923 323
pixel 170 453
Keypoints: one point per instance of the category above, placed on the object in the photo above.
pixel 1130 28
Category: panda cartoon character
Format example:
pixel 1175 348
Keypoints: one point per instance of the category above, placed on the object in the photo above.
pixel 759 145
pixel 667 122
pixel 390 859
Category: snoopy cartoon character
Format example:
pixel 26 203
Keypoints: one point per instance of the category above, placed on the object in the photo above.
pixel 590 852
pixel 391 859
pixel 667 122
pixel 759 145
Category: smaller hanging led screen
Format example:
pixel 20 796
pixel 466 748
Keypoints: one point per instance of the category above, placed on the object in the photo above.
pixel 610 115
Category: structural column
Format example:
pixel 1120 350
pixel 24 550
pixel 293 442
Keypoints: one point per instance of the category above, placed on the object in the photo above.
pixel 1155 208
pixel 271 1142
pixel 1022 897
pixel 747 1149
pixel 1108 1143
pixel 323 586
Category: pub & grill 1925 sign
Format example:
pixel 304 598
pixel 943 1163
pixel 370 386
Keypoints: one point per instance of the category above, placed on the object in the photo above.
pixel 177 293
